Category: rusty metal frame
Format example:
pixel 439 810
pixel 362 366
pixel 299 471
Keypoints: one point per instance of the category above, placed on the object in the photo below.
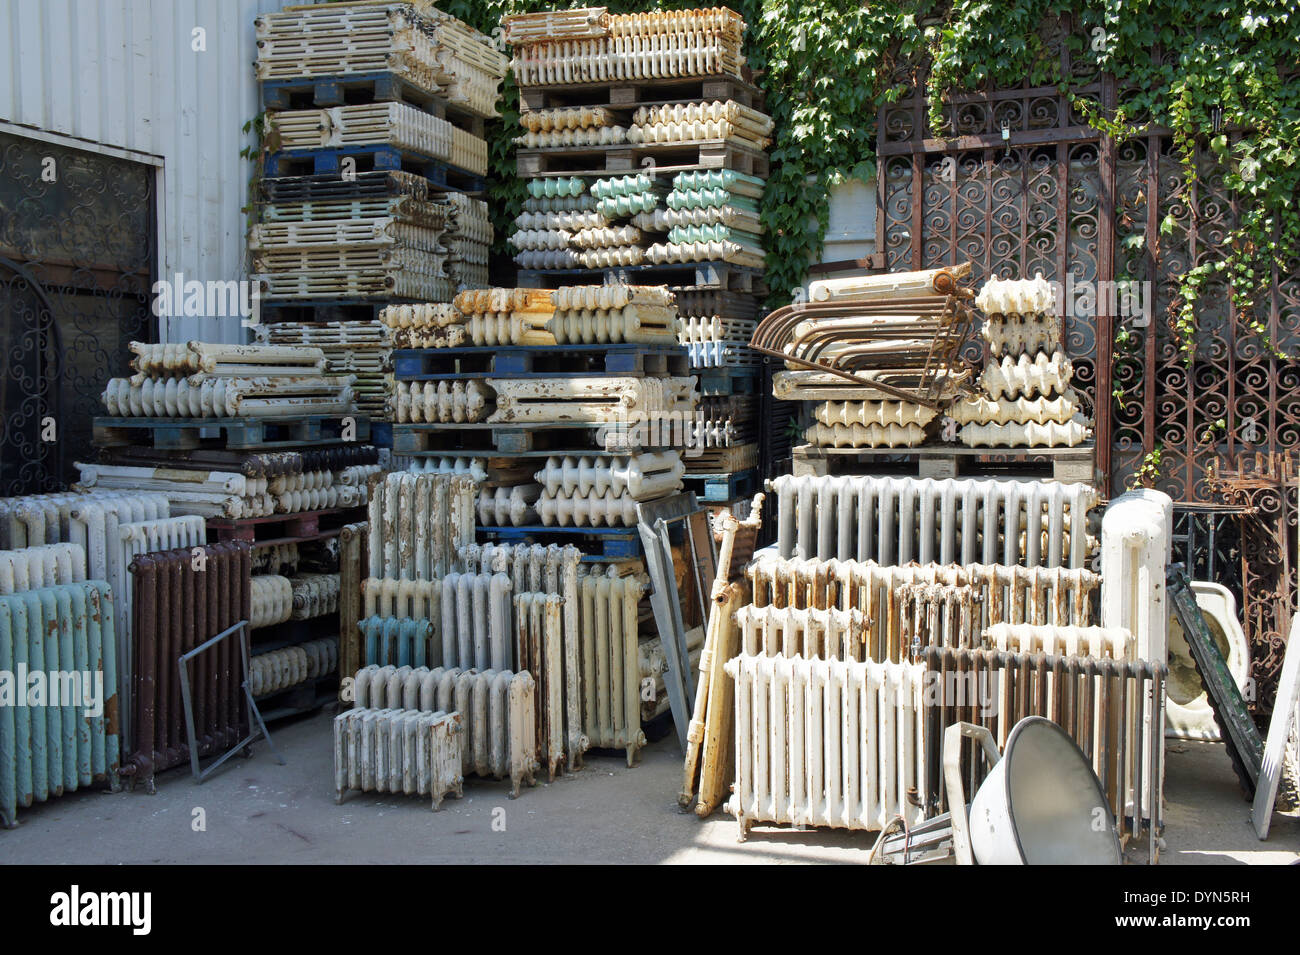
pixel 260 732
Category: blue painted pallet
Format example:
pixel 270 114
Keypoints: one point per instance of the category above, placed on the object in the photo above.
pixel 342 89
pixel 381 434
pixel 615 543
pixel 235 433
pixel 347 89
pixel 721 488
pixel 542 361
pixel 319 162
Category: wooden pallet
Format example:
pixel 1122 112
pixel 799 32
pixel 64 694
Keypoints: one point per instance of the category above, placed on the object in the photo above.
pixel 353 89
pixel 285 528
pixel 655 158
pixel 558 361
pixel 724 487
pixel 722 276
pixel 633 94
pixel 534 438
pixel 706 461
pixel 949 461
pixel 232 433
pixel 375 158
pixel 596 543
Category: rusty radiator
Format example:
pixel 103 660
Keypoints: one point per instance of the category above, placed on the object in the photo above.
pixel 398 751
pixel 180 600
pixel 1104 704
pixel 353 563
pixel 975 596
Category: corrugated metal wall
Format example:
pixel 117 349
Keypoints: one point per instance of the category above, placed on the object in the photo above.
pixel 125 74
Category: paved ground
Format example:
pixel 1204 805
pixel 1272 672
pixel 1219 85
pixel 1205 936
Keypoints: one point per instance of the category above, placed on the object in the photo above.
pixel 257 811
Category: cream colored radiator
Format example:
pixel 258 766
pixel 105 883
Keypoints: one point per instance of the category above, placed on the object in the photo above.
pixel 827 742
pixel 497 709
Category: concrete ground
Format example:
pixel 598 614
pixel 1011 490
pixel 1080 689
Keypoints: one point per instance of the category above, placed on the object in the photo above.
pixel 259 812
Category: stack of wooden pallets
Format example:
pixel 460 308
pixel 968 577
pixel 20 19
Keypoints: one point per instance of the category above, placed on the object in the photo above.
pixel 373 167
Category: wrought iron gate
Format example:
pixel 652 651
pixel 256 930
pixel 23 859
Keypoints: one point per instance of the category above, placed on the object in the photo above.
pixel 77 240
pixel 1019 184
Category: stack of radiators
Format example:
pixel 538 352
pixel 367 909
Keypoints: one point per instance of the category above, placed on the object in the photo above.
pixel 200 487
pixel 260 444
pixel 878 353
pixel 1024 397
pixel 430 50
pixel 391 88
pixel 728 121
pixel 536 325
pixel 554 212
pixel 661 171
pixel 712 216
pixel 212 380
pixel 359 349
pixel 570 126
pixel 592 46
pixel 379 235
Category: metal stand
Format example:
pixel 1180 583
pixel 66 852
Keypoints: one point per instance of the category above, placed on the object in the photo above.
pixel 947 834
pixel 254 715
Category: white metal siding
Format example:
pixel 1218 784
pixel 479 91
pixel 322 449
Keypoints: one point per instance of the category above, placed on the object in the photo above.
pixel 122 74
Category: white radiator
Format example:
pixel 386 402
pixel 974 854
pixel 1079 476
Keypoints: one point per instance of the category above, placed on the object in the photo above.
pixel 475 618
pixel 470 615
pixel 390 597
pixel 280 669
pixel 497 708
pixel 271 602
pixel 641 476
pixel 784 631
pixel 89 519
pixel 826 742
pixel 456 401
pixel 999 594
pixel 42 566
pixel 508 506
pixel 611 668
pixel 1136 544
pixel 899 520
pixel 398 751
pixel 1114 643
pixel 549 569
pixel 417 522
pixel 578 510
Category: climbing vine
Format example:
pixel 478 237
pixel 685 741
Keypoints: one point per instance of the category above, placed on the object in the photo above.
pixel 827 67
